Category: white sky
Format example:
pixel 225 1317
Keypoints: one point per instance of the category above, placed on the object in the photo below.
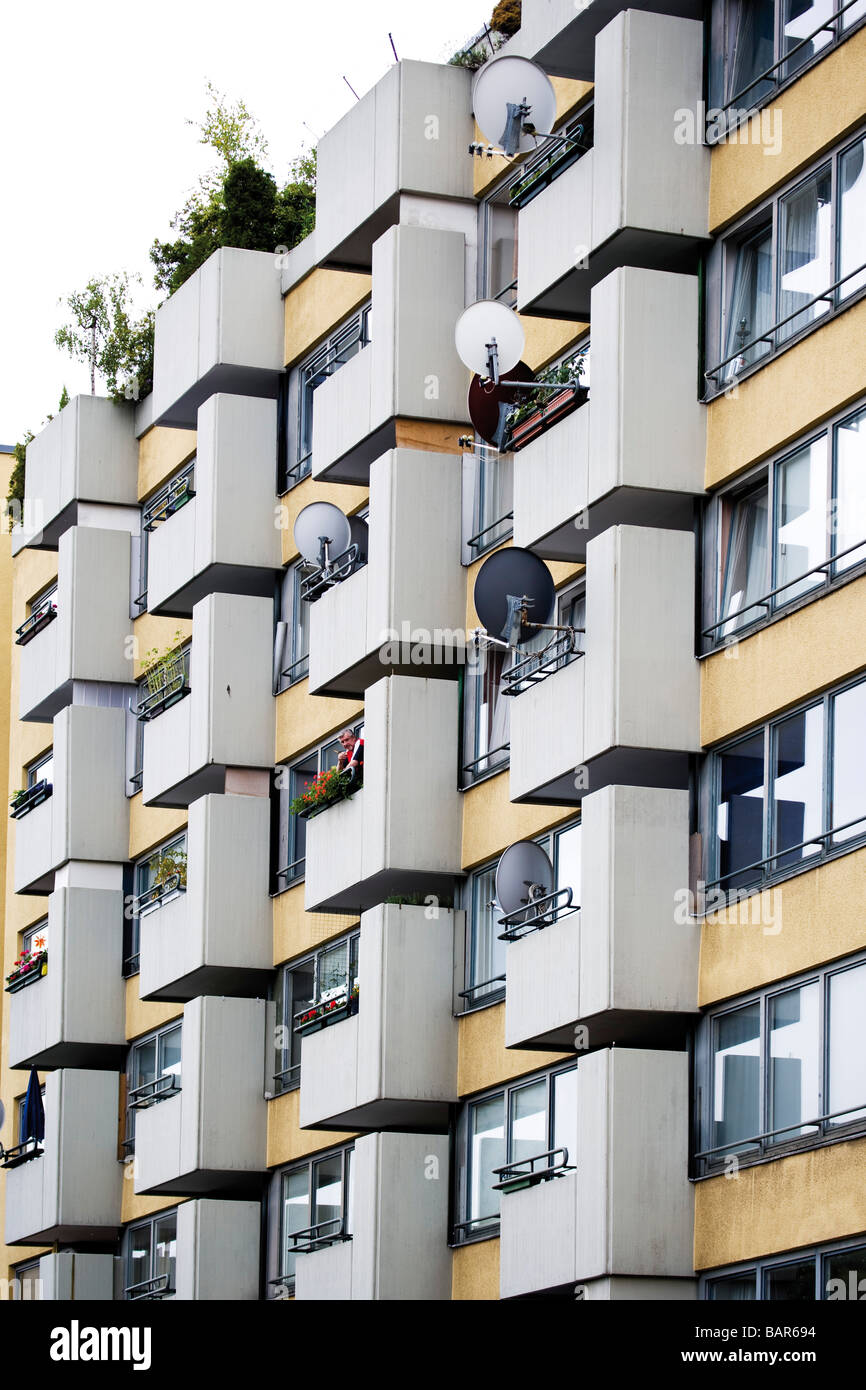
pixel 96 156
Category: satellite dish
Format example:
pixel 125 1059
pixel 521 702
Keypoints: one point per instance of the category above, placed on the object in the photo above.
pixel 524 874
pixel 489 338
pixel 322 532
pixel 2 1114
pixel 506 582
pixel 360 536
pixel 512 99
pixel 489 403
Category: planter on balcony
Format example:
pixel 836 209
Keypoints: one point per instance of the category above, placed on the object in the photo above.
pixel 326 789
pixel 560 405
pixel 340 1005
pixel 27 971
pixel 35 623
pixel 28 799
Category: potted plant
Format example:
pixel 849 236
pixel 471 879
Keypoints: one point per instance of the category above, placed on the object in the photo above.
pixel 333 1006
pixel 541 408
pixel 17 797
pixel 325 789
pixel 170 864
pixel 30 965
pixel 161 668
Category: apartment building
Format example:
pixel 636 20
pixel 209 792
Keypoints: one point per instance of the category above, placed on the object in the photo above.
pixel 291 1050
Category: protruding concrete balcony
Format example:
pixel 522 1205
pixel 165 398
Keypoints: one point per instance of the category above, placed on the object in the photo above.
pixel 404 610
pixel 84 815
pixel 639 196
pixel 410 369
pixel 627 711
pixel 84 462
pixel 394 1063
pixel 625 966
pixel 633 453
pixel 226 719
pixel 624 1218
pixel 209 1136
pixel 71 1191
pixel 400 833
pixel 409 134
pixel 75 1276
pixel 561 36
pixel 399 1246
pixel 217 936
pixel 218 1250
pixel 221 331
pixel 86 638
pixel 73 1016
pixel 222 538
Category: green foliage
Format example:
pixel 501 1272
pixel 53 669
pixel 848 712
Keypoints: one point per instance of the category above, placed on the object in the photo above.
pixel 15 495
pixel 124 343
pixel 506 17
pixel 567 375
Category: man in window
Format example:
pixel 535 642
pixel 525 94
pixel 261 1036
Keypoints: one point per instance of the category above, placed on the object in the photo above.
pixel 352 757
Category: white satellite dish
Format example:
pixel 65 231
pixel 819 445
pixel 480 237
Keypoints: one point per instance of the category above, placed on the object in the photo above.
pixel 489 338
pixel 514 104
pixel 523 875
pixel 322 532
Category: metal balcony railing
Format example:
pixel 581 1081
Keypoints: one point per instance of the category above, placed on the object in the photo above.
pixel 473 990
pixel 169 686
pixel 28 800
pixel 759 1143
pixel 20 1153
pixel 539 913
pixel 170 498
pixel 316 1237
pixel 148 1289
pixel 40 617
pixel 314 584
pixel 152 897
pixel 515 1176
pixel 765 601
pixel 554 157
pixel 537 666
pixel 819 839
pixel 152 1092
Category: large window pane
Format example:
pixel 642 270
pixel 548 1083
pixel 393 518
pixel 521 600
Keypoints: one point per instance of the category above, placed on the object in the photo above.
pixel 734 1288
pixel 800 18
pixel 169 1053
pixel 750 313
pixel 296 1213
pixel 847 1044
pixel 565 1112
pixel 849 1267
pixel 328 1193
pixel 852 218
pixel 486 1152
pixel 494 500
pixel 801 519
pixel 138 1270
pixel 567 865
pixel 805 252
pixel 486 951
pixel 736 1077
pixel 746 569
pixel 849 763
pixel 793 1283
pixel 740 812
pixel 850 490
pixel 527 1121
pixel 798 762
pixel 793 1077
pixel 165 1249
pixel 751 26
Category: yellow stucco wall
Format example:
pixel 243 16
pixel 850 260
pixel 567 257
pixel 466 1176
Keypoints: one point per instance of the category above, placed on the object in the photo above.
pixel 160 453
pixel 801 387
pixel 286 1139
pixel 144 1015
pixel 296 932
pixel 475 1271
pixel 483 1059
pixel 150 825
pixel 304 721
pixel 794 1202
pixel 815 112
pixel 799 655
pixel 318 304
pixel 807 920
pixel 350 499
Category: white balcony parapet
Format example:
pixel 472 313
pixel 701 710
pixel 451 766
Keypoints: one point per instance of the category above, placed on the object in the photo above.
pixel 218 1250
pixel 561 36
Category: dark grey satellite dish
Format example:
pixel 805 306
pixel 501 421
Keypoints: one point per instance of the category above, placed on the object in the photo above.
pixel 322 532
pixel 2 1114
pixel 360 537
pixel 504 581
pixel 490 404
pixel 524 874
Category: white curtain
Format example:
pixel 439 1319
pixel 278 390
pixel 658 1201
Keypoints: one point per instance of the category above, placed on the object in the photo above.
pixel 751 310
pixel 804 250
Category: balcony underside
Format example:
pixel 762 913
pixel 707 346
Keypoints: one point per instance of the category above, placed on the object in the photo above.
pixel 630 767
pixel 217 578
pixel 653 1028
pixel 227 379
pixel 355 252
pixel 388 883
pixel 354 465
pixel 82 1055
pixel 673 511
pixel 208 780
pixel 569 297
pixel 235 981
pixel 70 1235
pixel 438 663
pixel 397 1116
pixel 571 53
pixel 209 1182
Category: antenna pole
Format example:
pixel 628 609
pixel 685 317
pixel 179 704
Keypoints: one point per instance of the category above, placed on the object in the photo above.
pixel 351 88
pixel 393 49
pixel 93 356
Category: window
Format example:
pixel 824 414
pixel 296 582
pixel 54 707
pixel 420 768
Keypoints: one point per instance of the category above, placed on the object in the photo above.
pixel 38 786
pixel 796 260
pixel 298 389
pixel 789 794
pixel 751 36
pixel 42 770
pixel 158 879
pixel 486 715
pixel 167 500
pixel 26 1281
pixel 310 994
pixel 794 532
pixel 534 1118
pixel 151 1258
pixel 783 1068
pixel 293 657
pixel 497 243
pixel 41 611
pixel 485 953
pixel 493 500
pixel 152 1074
pixel 165 683
pixel 291 830
pixel 315 1206
pixel 31 964
pixel 832 1273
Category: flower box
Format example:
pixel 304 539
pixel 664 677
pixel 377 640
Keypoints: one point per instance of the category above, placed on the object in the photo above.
pixel 529 428
pixel 327 1011
pixel 326 789
pixel 27 970
pixel 35 623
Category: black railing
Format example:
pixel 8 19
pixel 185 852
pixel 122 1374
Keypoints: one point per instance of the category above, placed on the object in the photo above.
pixel 296 670
pixel 539 913
pixel 311 1238
pixel 554 157
pixel 470 993
pixel 170 498
pixel 153 896
pixel 765 601
pixel 157 1287
pixel 293 871
pixel 28 800
pixel 20 1153
pixel 152 1092
pixel 819 838
pixel 287 1078
pixel 767 1138
pixel 41 616
pixel 469 769
pixel 165 688
pixel 515 1175
pixel 485 1222
pixel 476 543
pixel 829 295
pixel 537 666
pixel 336 570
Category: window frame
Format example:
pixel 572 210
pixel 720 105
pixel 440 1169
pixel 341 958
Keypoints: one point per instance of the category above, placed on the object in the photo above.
pixel 162 498
pixel 758 1267
pixel 285 1011
pixel 768 1149
pixel 298 668
pixel 283 1284
pixel 718 379
pixel 151 1222
pixel 178 841
pixel 155 1037
pixel 281 879
pixel 461 1232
